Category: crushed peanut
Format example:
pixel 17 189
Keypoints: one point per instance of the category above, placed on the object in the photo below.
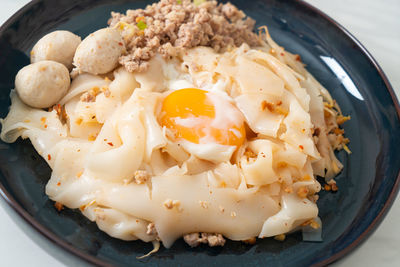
pixel 215 77
pixel 170 204
pixel 288 189
pixel 250 154
pixel 281 237
pixel 90 96
pixel 151 229
pixel 314 224
pixel 203 204
pixel 141 177
pixel 268 105
pixel 176 203
pixel 302 192
pixel 106 91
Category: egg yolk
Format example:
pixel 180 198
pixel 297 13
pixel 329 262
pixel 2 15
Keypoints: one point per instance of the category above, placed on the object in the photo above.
pixel 190 113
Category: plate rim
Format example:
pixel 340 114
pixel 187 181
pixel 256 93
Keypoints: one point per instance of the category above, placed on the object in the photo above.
pixel 395 189
pixel 53 238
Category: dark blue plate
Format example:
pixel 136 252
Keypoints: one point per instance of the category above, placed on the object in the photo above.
pixel 367 186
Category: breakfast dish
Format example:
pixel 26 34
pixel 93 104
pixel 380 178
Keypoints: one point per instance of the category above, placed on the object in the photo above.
pixel 179 121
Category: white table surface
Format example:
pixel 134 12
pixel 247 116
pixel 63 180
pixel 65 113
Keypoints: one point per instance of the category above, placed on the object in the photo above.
pixel 377 25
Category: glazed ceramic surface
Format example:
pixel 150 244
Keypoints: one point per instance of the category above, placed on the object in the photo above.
pixel 367 184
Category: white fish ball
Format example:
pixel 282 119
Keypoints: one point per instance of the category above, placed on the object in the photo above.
pixel 42 84
pixel 59 46
pixel 99 52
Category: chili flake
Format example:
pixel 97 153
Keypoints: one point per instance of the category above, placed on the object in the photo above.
pixel 58 206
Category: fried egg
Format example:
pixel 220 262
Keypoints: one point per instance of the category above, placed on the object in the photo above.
pixel 207 124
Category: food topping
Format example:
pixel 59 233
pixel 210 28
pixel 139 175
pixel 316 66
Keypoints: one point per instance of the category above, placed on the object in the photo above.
pixel 167 26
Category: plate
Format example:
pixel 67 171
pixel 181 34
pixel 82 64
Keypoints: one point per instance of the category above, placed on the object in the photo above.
pixel 367 186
